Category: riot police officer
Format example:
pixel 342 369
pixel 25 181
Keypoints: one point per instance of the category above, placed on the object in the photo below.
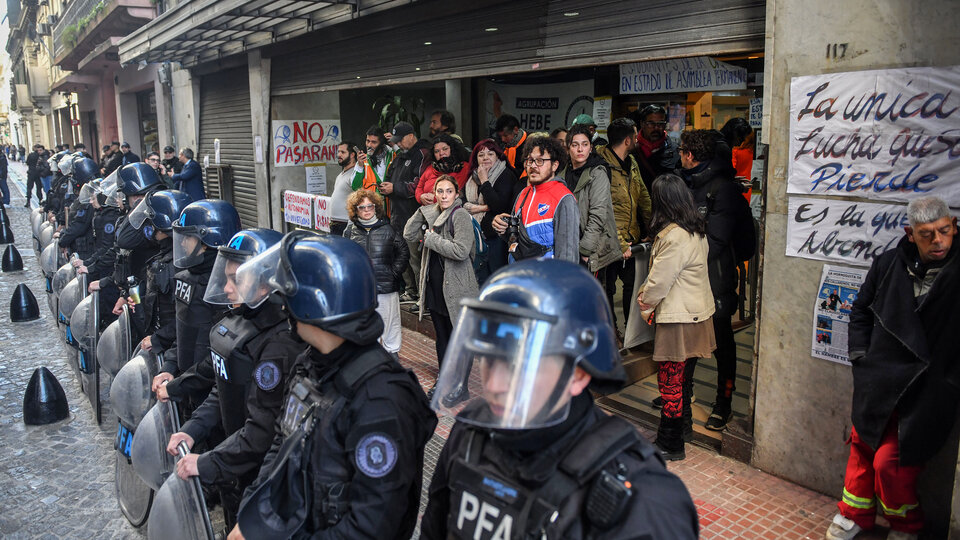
pixel 355 422
pixel 107 212
pixel 53 203
pixel 78 236
pixel 203 227
pixel 530 455
pixel 159 210
pixel 252 351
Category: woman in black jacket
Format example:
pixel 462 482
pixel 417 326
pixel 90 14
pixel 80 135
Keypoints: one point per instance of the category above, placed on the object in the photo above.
pixel 370 228
pixel 489 191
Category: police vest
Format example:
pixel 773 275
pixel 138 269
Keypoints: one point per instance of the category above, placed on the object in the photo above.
pixel 487 504
pixel 235 346
pixel 158 297
pixel 193 317
pixel 536 206
pixel 308 414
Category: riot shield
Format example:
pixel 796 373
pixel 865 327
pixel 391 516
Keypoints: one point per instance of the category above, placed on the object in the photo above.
pixel 85 325
pixel 45 235
pixel 116 342
pixel 133 495
pixel 130 393
pixel 179 510
pixel 70 298
pixel 60 279
pixel 149 450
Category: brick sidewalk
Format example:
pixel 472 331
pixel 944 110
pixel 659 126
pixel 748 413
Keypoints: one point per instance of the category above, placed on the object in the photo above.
pixel 733 499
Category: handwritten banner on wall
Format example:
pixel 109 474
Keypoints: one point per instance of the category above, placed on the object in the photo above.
pixel 700 74
pixel 296 142
pixel 889 135
pixel 297 207
pixel 843 231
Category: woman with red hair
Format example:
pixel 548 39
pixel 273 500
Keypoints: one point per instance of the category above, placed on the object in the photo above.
pixel 490 189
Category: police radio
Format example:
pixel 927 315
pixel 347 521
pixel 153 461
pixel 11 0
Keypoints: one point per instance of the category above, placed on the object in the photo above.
pixel 608 498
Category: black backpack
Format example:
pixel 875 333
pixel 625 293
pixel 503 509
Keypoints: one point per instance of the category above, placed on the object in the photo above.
pixel 744 241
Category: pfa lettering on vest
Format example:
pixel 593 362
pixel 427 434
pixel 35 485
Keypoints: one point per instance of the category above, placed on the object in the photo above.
pixel 219 366
pixel 184 291
pixel 485 520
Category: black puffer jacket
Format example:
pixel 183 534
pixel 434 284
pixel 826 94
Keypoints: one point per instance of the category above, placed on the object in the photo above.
pixel 387 249
pixel 721 213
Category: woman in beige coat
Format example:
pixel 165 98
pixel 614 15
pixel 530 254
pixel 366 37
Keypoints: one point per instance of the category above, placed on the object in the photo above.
pixel 676 295
pixel 446 265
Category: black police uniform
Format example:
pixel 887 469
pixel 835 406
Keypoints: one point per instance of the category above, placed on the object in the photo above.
pixel 159 307
pixel 78 236
pixel 52 201
pixel 252 351
pixel 132 250
pixel 591 476
pixel 103 258
pixel 192 368
pixel 363 455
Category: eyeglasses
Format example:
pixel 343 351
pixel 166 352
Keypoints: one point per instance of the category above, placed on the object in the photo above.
pixel 365 207
pixel 535 161
pixel 656 124
pixel 153 159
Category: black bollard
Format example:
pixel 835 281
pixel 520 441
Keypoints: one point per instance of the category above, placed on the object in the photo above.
pixel 3 215
pixel 6 235
pixel 12 262
pixel 44 401
pixel 23 305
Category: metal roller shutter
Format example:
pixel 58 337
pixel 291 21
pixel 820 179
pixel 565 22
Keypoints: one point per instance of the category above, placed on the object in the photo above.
pixel 225 115
pixel 532 35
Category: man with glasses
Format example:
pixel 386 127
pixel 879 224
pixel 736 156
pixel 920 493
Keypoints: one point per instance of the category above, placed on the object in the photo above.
pixel 656 153
pixel 153 159
pixel 545 221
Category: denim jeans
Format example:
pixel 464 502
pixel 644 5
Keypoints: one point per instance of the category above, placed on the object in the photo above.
pixel 47 180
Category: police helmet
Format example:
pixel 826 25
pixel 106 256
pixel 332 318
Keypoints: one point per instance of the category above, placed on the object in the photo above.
pixel 323 281
pixel 533 323
pixel 66 164
pixel 110 194
pixel 84 170
pixel 90 191
pixel 223 287
pixel 210 223
pixel 138 179
pixel 159 210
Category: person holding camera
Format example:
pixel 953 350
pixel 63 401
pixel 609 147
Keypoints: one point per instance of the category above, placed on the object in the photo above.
pixel 676 294
pixel 545 220
pixel 445 233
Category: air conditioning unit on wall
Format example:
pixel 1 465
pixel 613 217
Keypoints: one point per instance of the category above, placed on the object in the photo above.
pixel 43 29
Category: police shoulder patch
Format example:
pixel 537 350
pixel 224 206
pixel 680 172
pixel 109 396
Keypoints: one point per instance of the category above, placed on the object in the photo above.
pixel 376 454
pixel 81 212
pixel 148 231
pixel 109 228
pixel 267 375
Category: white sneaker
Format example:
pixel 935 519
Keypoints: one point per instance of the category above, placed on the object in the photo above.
pixel 900 535
pixel 842 528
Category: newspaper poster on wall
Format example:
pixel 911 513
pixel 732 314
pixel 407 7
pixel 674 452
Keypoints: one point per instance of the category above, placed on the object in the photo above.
pixel 886 135
pixel 839 287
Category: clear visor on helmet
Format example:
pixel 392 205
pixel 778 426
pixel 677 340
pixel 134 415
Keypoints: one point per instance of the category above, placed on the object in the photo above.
pixel 512 371
pixel 222 288
pixel 256 278
pixel 111 190
pixel 187 247
pixel 89 192
pixel 140 214
pixel 65 165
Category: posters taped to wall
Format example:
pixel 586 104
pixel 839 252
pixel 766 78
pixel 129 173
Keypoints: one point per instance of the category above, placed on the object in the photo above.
pixel 885 135
pixel 839 287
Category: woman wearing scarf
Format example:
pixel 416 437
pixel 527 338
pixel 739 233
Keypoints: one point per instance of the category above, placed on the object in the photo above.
pixel 449 157
pixel 489 191
pixel 446 271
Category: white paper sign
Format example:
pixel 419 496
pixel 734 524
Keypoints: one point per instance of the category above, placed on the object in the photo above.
pixel 538 107
pixel 842 231
pixel 206 161
pixel 700 74
pixel 297 207
pixel 602 107
pixel 216 151
pixel 756 113
pixel 839 287
pixel 258 149
pixel 889 135
pixel 316 178
pixel 323 210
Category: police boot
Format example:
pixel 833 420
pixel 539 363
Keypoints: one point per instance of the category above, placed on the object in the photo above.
pixel 670 438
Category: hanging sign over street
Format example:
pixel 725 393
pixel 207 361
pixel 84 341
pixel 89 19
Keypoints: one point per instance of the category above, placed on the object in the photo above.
pixel 296 142
pixel 700 74
pixel 889 135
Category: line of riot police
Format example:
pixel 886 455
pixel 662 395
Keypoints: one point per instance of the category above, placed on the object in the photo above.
pixel 246 368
